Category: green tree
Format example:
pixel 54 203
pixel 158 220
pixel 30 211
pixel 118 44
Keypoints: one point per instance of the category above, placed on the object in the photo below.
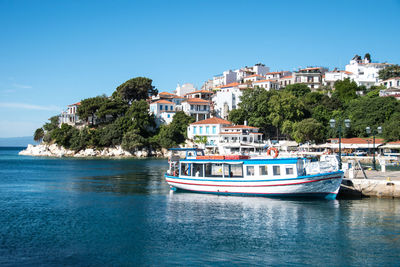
pixel 63 135
pixel 368 56
pixel 132 141
pixel 112 107
pixel 372 112
pixel 308 130
pixel 53 124
pixel 345 90
pixel 298 89
pixel 90 106
pixel 111 134
pixel 142 120
pixel 285 106
pixel 389 72
pixel 391 128
pixel 39 134
pixel 139 88
pixel 200 140
pixel 175 133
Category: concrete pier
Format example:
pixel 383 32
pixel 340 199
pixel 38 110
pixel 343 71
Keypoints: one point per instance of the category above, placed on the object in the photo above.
pixel 377 184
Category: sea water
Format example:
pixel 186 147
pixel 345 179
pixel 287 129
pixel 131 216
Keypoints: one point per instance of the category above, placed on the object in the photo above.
pixel 92 212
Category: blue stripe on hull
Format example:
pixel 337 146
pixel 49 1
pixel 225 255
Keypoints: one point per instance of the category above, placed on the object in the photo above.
pixel 328 196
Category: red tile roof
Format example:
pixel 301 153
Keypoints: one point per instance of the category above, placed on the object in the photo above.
pixel 254 75
pixel 394 78
pixel 165 93
pixel 394 143
pixel 162 101
pixel 263 81
pixel 287 77
pixel 196 100
pixel 76 104
pixel 357 140
pixel 213 120
pixel 241 127
pixel 228 85
pixel 276 72
pixel 199 91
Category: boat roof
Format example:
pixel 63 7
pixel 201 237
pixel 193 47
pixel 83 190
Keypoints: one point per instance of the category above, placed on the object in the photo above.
pixel 186 149
pixel 244 161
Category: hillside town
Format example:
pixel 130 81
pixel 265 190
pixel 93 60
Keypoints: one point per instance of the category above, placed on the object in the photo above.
pixel 211 104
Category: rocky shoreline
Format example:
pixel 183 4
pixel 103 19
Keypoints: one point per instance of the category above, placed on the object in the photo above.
pixel 53 150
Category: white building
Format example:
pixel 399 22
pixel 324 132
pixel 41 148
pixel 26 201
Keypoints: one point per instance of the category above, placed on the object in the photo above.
pixel 395 92
pixel 253 78
pixel 336 75
pixel 184 89
pixel 312 76
pixel 258 69
pixel 392 83
pixel 225 78
pixel 277 75
pixel 163 110
pixel 225 100
pixel 209 128
pixel 70 116
pixel 267 84
pixel 240 138
pixel 202 94
pixel 285 80
pixel 197 108
pixel 365 72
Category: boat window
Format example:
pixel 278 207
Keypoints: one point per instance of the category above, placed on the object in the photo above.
pixel 184 169
pixel 276 170
pixel 213 169
pixel 233 170
pixel 197 170
pixel 250 170
pixel 263 170
pixel 289 170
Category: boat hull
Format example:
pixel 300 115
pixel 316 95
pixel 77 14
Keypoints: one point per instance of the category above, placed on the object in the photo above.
pixel 315 186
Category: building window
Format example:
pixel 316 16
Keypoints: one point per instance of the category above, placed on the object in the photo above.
pixel 160 107
pixel 214 129
pixel 207 129
pixel 168 116
pixel 194 129
pixel 200 129
pixel 171 108
pixel 276 170
pixel 289 170
pixel 250 170
pixel 264 170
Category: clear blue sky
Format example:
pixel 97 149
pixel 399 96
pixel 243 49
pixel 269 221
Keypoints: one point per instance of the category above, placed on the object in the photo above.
pixel 54 53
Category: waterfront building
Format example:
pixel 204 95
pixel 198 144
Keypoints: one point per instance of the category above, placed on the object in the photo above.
pixel 311 76
pixel 209 128
pixel 240 139
pixel 197 108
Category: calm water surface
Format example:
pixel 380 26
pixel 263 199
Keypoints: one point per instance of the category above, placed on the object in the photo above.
pixel 78 212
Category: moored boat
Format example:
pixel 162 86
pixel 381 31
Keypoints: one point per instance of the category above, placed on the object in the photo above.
pixel 261 176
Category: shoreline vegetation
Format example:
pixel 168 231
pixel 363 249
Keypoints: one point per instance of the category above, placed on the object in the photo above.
pixel 115 126
pixel 122 124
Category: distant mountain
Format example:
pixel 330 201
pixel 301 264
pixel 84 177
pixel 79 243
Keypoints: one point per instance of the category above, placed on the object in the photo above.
pixel 17 141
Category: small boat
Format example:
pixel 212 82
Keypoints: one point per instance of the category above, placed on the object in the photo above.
pixel 253 176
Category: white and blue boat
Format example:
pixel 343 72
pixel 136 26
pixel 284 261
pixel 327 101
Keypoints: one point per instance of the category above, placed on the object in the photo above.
pixel 253 176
